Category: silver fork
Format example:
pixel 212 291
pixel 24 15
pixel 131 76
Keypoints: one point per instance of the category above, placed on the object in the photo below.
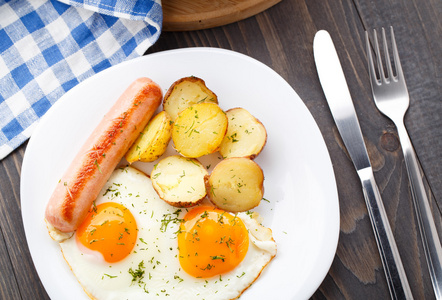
pixel 391 97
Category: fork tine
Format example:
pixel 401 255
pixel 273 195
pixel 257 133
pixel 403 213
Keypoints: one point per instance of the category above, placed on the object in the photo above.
pixel 378 57
pixel 387 57
pixel 397 62
pixel 371 68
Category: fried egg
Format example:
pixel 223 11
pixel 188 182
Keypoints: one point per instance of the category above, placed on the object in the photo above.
pixel 133 245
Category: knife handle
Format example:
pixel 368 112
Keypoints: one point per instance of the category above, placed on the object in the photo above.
pixel 391 260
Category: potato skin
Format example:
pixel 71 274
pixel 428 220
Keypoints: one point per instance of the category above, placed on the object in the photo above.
pixel 186 92
pixel 153 140
pixel 199 130
pixel 235 184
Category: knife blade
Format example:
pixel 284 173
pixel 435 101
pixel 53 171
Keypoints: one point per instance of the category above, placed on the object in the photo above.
pixel 334 85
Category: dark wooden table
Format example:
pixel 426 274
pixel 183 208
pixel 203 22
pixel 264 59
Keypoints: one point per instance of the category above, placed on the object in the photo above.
pixel 282 37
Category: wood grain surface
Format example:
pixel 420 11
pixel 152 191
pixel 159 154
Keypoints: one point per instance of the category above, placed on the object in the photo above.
pixel 184 15
pixel 282 37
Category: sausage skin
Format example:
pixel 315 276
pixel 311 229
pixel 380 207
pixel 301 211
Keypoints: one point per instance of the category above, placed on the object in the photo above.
pixel 91 168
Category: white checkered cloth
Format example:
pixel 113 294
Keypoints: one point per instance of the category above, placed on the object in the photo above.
pixel 48 46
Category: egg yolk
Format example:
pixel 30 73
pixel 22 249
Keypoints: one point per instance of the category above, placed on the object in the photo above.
pixel 109 228
pixel 211 242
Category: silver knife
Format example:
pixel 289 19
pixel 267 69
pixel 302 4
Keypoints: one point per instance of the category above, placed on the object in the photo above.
pixel 341 106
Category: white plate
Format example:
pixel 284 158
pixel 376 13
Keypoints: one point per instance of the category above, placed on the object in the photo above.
pixel 303 208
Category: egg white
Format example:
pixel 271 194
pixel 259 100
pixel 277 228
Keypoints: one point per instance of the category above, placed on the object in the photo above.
pixel 157 250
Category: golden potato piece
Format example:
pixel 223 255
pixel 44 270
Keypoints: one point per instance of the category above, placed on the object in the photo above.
pixel 236 184
pixel 185 92
pixel 245 137
pixel 179 181
pixel 199 129
pixel 153 140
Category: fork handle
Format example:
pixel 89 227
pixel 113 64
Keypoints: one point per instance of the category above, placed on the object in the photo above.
pixel 391 260
pixel 430 239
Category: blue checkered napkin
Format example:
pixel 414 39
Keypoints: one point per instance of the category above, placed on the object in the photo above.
pixel 132 10
pixel 47 47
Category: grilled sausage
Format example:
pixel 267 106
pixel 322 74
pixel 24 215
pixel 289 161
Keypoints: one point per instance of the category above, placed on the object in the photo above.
pixel 101 153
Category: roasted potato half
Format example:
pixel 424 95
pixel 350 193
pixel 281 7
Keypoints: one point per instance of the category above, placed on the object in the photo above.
pixel 186 92
pixel 236 184
pixel 199 130
pixel 153 140
pixel 245 137
pixel 179 180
